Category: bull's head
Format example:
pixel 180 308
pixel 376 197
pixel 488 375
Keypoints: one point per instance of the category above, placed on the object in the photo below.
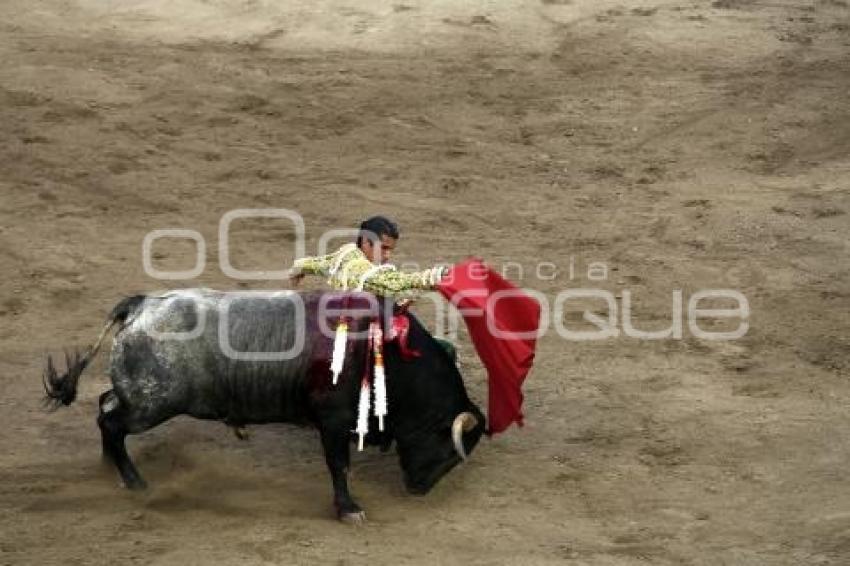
pixel 434 422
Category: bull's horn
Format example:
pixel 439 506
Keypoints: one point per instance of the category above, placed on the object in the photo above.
pixel 464 422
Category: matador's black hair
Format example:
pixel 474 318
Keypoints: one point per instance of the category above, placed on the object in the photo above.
pixel 377 227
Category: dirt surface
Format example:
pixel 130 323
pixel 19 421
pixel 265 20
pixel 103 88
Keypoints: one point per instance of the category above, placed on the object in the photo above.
pixel 685 145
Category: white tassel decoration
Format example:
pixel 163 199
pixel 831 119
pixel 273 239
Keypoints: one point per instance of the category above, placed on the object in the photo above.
pixel 380 396
pixel 338 358
pixel 362 415
pixel 380 377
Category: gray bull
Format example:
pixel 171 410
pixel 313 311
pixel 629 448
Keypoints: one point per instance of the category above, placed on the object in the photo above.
pixel 184 352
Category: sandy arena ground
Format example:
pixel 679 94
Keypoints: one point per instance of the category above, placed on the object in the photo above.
pixel 685 144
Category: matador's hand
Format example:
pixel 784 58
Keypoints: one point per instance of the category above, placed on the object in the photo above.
pixel 296 278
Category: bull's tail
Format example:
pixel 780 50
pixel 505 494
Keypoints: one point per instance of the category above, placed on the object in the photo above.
pixel 62 389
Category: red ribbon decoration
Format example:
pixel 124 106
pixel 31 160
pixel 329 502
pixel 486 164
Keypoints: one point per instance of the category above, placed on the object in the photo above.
pixel 400 331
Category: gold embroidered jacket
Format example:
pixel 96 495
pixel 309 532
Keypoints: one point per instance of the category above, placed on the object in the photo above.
pixel 349 268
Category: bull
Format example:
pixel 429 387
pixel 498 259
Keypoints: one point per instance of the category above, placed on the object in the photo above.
pixel 188 352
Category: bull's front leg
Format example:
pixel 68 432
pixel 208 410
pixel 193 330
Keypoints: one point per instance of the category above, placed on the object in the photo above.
pixel 336 441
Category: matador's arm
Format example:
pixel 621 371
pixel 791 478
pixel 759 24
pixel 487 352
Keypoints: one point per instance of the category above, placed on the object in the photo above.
pixel 321 264
pixel 399 284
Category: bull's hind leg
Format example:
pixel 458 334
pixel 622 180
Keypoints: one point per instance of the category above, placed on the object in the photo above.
pixel 113 429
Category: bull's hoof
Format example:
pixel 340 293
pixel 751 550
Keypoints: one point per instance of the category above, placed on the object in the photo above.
pixel 353 517
pixel 350 513
pixel 241 432
pixel 135 484
pixel 416 490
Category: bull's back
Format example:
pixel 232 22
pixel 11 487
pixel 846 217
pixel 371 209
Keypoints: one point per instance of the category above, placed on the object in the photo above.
pixel 241 357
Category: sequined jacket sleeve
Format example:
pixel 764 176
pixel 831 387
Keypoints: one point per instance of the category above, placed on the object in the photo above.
pixel 402 285
pixel 349 268
pixel 313 265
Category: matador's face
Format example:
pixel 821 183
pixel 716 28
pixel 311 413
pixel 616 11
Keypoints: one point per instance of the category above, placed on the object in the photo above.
pixel 378 253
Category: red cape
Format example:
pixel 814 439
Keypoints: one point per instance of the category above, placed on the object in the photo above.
pixel 503 322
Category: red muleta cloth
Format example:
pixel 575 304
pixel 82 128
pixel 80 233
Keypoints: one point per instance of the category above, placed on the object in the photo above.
pixel 487 302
